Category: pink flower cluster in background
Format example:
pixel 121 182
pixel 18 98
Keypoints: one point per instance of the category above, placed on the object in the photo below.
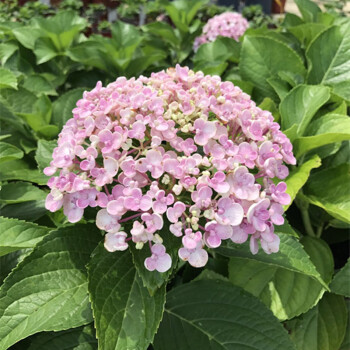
pixel 179 154
pixel 228 24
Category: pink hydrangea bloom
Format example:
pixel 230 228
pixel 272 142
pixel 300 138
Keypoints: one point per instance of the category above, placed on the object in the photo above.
pixel 228 24
pixel 178 153
pixel 159 260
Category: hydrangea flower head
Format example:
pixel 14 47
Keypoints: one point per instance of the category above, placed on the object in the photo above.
pixel 178 153
pixel 228 24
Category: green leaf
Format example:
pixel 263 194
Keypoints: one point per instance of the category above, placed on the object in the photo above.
pixel 329 189
pixel 301 104
pixel 323 327
pixel 307 32
pixel 245 86
pixel 8 79
pixel 153 280
pixel 63 106
pixel 39 85
pixel 346 342
pixel 342 156
pixel 9 261
pixel 20 170
pixel 6 51
pixel 61 28
pixel 45 50
pixel 333 66
pixel 308 9
pixel 269 105
pixel 17 192
pixel 29 211
pixel 213 314
pixel 48 289
pixel 341 281
pixel 126 316
pixel 280 86
pixel 323 131
pixel 43 155
pixel 17 234
pixel 9 152
pixel 27 35
pixel 19 101
pixel 165 31
pixel 290 78
pixel 40 115
pixel 291 20
pixel 126 38
pixel 182 12
pixel 291 256
pixel 220 50
pixel 260 60
pixel 327 18
pixel 81 338
pixel 298 176
pixel 90 53
pixel 286 293
pixel 48 132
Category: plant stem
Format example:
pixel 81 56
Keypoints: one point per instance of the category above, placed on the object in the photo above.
pixel 319 231
pixel 307 222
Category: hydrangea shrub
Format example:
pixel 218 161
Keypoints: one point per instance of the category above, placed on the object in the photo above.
pixel 228 24
pixel 178 149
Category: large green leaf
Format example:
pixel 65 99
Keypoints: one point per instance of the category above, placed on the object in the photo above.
pixel 48 289
pixel 17 192
pixel 90 53
pixel 182 12
pixel 341 281
pixel 39 85
pixel 261 59
pixel 81 338
pixel 281 87
pixel 27 35
pixel 220 50
pixel 301 104
pixel 329 189
pixel 346 342
pixel 213 314
pixel 298 176
pixel 40 115
pixel 9 261
pixel 43 155
pixel 8 79
pixel 307 32
pixel 285 292
pixel 291 20
pixel 323 131
pixel 61 28
pixel 20 170
pixel 323 327
pixel 291 256
pixel 28 211
pixel 164 30
pixel 126 37
pixel 6 51
pixel 9 152
pixel 211 58
pixel 19 101
pixel 126 316
pixel 308 9
pixel 45 50
pixel 268 104
pixel 332 66
pixel 63 106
